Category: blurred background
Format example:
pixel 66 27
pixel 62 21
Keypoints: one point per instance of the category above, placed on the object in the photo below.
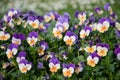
pixel 43 6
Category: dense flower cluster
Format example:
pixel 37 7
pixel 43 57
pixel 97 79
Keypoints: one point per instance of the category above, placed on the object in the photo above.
pixel 57 44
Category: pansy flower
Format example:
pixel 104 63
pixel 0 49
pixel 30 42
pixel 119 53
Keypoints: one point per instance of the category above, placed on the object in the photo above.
pixel 85 32
pixel 93 59
pixel 68 69
pixel 4 36
pixel 12 50
pixel 103 25
pixel 32 38
pixel 90 49
pixel 21 55
pixel 17 38
pixel 43 27
pixel 102 49
pixel 57 32
pixel 81 16
pixel 12 12
pixel 33 21
pixel 98 10
pixel 79 67
pixel 40 65
pixel 63 21
pixel 54 64
pixel 43 47
pixel 117 53
pixel 107 7
pixel 70 38
pixel 24 66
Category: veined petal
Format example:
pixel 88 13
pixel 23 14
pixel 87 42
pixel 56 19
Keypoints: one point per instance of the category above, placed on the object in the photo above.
pixel 71 69
pixel 14 50
pixel 50 65
pixel 73 38
pixel 89 58
pixel 66 38
pixel 96 59
pixel 28 66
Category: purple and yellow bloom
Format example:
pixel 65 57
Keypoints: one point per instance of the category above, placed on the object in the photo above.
pixel 93 59
pixel 32 38
pixel 103 25
pixel 82 17
pixel 4 36
pixel 21 55
pixel 79 67
pixel 43 27
pixel 102 49
pixel 34 22
pixel 63 21
pixel 98 10
pixel 54 64
pixel 85 32
pixel 70 38
pixel 57 32
pixel 12 50
pixel 24 66
pixel 43 47
pixel 117 53
pixel 17 38
pixel 68 69
pixel 107 7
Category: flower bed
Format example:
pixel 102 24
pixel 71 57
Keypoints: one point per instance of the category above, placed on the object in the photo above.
pixel 57 47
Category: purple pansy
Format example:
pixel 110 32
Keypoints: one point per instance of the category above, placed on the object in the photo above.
pixel 4 36
pixel 32 38
pixel 24 66
pixel 21 55
pixel 70 38
pixel 68 69
pixel 17 38
pixel 103 25
pixel 44 46
pixel 93 59
pixel 54 64
pixel 43 27
pixel 102 49
pixel 85 32
pixel 12 50
pixel 98 10
pixel 107 7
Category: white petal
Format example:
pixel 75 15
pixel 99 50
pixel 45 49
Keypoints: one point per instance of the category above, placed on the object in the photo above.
pixel 21 65
pixel 117 25
pixel 14 50
pixel 106 23
pixel 54 30
pixel 28 66
pixel 8 50
pixel 89 58
pixel 71 69
pixel 50 65
pixel 82 32
pixel 99 48
pixel 1 33
pixel 66 38
pixel 96 59
pixel 58 66
pixel 64 70
pixel 87 32
pixel 73 38
pixel 66 25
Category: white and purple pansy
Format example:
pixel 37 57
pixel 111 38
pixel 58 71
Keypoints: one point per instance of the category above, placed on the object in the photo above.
pixel 103 25
pixel 43 47
pixel 57 32
pixel 107 7
pixel 79 67
pixel 43 27
pixel 102 49
pixel 68 69
pixel 93 59
pixel 21 55
pixel 18 38
pixel 85 32
pixel 24 66
pixel 63 21
pixel 70 38
pixel 117 53
pixel 33 21
pixel 4 36
pixel 12 50
pixel 32 38
pixel 98 10
pixel 54 64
